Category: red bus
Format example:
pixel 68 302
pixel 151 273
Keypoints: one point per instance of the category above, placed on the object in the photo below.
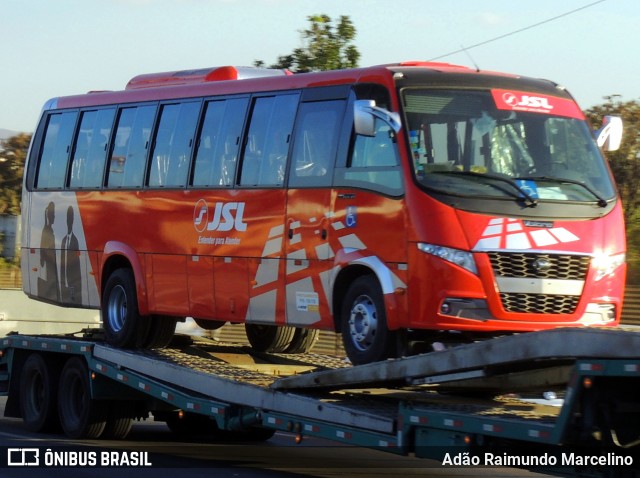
pixel 398 204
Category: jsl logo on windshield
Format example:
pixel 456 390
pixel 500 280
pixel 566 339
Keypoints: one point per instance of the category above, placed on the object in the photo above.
pixel 514 100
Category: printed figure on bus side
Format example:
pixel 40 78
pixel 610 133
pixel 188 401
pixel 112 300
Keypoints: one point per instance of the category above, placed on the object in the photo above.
pixel 70 275
pixel 48 287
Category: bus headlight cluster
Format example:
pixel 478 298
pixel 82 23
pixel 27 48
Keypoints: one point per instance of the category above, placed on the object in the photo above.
pixel 455 256
pixel 606 264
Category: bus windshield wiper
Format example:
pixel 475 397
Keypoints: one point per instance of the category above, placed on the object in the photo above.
pixel 602 202
pixel 529 200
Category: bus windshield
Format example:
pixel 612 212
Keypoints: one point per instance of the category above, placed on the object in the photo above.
pixel 466 143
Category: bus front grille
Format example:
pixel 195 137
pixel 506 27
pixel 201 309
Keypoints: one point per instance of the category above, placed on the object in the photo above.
pixel 559 269
pixel 539 303
pixel 539 266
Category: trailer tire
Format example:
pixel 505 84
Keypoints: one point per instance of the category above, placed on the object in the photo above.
pixel 269 338
pixel 38 394
pixel 303 341
pixel 365 334
pixel 119 420
pixel 122 323
pixel 80 415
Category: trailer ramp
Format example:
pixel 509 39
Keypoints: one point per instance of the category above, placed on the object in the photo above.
pixel 516 363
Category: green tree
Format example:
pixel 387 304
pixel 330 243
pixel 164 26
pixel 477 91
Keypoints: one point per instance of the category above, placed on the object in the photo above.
pixel 625 165
pixel 13 153
pixel 326 47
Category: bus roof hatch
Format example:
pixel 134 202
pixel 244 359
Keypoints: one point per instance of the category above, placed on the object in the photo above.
pixel 218 73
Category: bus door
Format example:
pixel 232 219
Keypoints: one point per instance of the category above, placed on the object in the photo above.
pixel 256 280
pixel 308 228
pixel 369 215
pixel 218 214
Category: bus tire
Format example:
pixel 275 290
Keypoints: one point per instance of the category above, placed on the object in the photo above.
pixel 39 393
pixel 365 335
pixel 303 341
pixel 207 324
pixel 80 415
pixel 269 338
pixel 161 331
pixel 122 323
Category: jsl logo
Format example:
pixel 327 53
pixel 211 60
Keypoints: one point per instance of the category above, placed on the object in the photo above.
pixel 526 101
pixel 226 217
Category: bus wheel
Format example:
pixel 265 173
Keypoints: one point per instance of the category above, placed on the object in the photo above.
pixel 365 334
pixel 161 331
pixel 38 394
pixel 207 324
pixel 80 415
pixel 123 326
pixel 303 341
pixel 269 338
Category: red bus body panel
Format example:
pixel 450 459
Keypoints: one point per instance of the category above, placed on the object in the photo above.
pixel 277 255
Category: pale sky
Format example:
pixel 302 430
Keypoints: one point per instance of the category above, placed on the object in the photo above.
pixel 59 47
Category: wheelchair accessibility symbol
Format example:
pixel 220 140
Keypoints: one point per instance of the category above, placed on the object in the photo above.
pixel 529 187
pixel 352 216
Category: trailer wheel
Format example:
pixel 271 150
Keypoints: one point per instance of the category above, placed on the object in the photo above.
pixel 80 415
pixel 38 394
pixel 365 334
pixel 303 341
pixel 269 338
pixel 123 325
pixel 119 420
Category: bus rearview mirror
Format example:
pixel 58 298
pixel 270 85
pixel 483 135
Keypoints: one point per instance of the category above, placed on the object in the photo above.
pixel 363 119
pixel 609 136
pixel 364 114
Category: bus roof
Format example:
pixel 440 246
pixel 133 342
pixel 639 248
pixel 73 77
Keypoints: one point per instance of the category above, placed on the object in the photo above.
pixel 233 80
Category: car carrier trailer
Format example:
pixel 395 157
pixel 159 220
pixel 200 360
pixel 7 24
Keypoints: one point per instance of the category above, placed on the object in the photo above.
pixel 467 405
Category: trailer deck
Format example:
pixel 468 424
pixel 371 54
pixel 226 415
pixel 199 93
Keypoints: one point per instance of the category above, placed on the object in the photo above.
pixel 466 398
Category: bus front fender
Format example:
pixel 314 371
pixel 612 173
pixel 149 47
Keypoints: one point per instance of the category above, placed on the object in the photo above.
pixel 393 287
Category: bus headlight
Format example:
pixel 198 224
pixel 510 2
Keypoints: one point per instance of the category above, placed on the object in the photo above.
pixel 455 256
pixel 605 264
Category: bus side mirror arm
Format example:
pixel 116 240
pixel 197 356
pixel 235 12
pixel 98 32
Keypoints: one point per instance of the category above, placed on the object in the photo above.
pixel 609 136
pixel 364 114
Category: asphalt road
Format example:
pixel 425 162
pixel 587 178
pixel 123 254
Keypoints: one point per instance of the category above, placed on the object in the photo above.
pixel 278 457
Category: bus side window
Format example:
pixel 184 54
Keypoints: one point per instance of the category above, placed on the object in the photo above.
pixel 52 168
pixel 266 149
pixel 128 156
pixel 90 151
pixel 173 143
pixel 218 143
pixel 315 143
